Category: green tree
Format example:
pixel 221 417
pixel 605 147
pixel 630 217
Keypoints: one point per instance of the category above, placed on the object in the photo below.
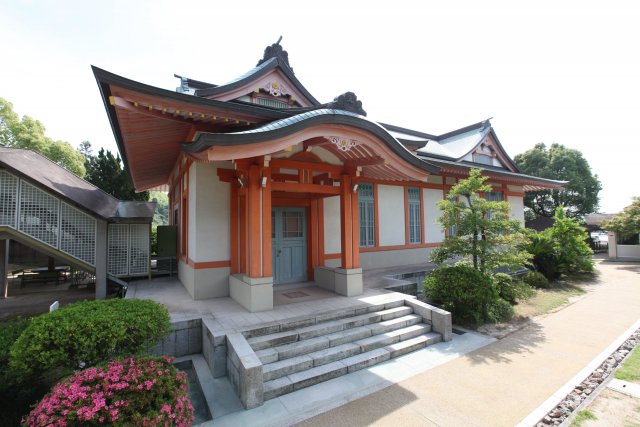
pixel 484 233
pixel 105 172
pixel 161 216
pixel 29 133
pixel 573 254
pixel 579 197
pixel 627 222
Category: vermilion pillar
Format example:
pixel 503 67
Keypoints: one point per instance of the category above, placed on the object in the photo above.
pixel 266 222
pixel 253 223
pixel 346 232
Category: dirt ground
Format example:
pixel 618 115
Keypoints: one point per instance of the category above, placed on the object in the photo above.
pixel 39 302
pixel 612 408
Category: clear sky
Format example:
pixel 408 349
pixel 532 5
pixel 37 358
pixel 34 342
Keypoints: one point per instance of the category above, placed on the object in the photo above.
pixel 546 71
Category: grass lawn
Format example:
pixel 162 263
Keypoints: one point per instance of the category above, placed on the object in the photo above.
pixel 583 416
pixel 547 300
pixel 630 368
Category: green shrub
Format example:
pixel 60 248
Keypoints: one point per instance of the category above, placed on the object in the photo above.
pixel 570 240
pixel 15 397
pixel 500 311
pixel 462 290
pixel 543 250
pixel 535 280
pixel 86 334
pixel 512 290
pixel 136 391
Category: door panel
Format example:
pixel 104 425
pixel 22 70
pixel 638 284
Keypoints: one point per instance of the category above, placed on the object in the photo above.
pixel 289 245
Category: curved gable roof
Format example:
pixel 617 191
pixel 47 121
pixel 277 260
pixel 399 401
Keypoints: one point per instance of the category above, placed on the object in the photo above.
pixel 291 125
pixel 256 73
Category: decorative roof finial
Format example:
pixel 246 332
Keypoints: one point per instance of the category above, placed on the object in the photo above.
pixel 275 51
pixel 348 101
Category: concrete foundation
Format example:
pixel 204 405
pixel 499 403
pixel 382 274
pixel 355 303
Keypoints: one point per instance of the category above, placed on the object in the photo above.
pixel 204 283
pixel 254 294
pixel 347 282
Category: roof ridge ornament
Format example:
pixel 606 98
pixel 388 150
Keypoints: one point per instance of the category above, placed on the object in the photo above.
pixel 348 101
pixel 275 51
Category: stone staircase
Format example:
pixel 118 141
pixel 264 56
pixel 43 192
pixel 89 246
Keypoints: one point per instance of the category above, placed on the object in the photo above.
pixel 308 352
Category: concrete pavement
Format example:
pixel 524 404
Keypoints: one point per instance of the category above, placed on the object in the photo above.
pixel 502 383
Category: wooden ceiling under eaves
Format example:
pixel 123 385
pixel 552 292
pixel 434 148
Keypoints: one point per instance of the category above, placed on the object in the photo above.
pixel 152 129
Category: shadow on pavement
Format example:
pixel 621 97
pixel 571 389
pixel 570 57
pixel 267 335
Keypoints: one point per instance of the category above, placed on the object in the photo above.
pixel 518 342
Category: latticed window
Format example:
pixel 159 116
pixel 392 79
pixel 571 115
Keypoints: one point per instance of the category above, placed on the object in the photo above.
pixel 492 196
pixel 367 215
pixel 8 195
pixel 139 249
pixel 118 249
pixel 415 225
pixel 77 234
pixel 38 214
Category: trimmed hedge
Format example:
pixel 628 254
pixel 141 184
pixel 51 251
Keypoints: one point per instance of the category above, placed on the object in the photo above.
pixel 536 280
pixel 462 290
pixel 512 290
pixel 86 334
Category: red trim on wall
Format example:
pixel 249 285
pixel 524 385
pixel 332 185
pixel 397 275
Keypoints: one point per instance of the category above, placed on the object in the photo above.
pixel 254 217
pixel 208 264
pixel 345 222
pixel 313 214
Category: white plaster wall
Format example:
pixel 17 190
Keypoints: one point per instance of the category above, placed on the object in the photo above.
pixel 326 156
pixel 187 278
pixel 517 208
pixel 628 251
pixel 382 259
pixel 433 233
pixel 391 215
pixel 515 188
pixel 434 179
pixel 212 222
pixel 332 241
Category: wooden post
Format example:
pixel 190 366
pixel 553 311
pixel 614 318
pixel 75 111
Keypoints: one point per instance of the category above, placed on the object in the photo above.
pixel 266 223
pixel 4 266
pixel 355 230
pixel 346 255
pixel 235 231
pixel 254 217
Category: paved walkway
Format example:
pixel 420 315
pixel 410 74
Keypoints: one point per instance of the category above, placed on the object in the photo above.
pixel 502 383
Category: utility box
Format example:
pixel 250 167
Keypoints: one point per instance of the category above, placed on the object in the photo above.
pixel 167 248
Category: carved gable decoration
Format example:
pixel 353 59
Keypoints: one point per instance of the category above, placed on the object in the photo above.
pixel 347 102
pixel 275 88
pixel 275 51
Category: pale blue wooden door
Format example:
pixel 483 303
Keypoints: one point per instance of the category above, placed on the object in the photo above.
pixel 289 245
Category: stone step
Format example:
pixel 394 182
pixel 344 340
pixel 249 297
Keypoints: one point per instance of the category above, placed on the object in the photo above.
pixel 304 360
pixel 276 339
pixel 421 341
pixel 392 337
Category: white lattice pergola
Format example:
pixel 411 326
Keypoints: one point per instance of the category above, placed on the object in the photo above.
pixel 54 222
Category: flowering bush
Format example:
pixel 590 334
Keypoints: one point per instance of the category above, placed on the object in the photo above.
pixel 143 391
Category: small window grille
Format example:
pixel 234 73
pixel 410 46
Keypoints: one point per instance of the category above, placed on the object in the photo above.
pixel 415 225
pixel 292 224
pixel 38 214
pixel 8 197
pixel 367 215
pixel 78 234
pixel 274 103
pixel 139 249
pixel 118 249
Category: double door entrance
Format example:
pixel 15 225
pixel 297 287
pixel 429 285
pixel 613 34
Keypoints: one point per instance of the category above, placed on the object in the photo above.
pixel 289 244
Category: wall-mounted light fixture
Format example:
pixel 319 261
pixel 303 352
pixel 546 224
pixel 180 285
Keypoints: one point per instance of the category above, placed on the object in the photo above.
pixel 264 181
pixel 240 183
pixel 355 188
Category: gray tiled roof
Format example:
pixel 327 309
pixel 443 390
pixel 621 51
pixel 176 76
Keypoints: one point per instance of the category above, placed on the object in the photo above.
pixel 37 168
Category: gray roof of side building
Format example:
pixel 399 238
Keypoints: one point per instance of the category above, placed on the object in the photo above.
pixel 52 177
